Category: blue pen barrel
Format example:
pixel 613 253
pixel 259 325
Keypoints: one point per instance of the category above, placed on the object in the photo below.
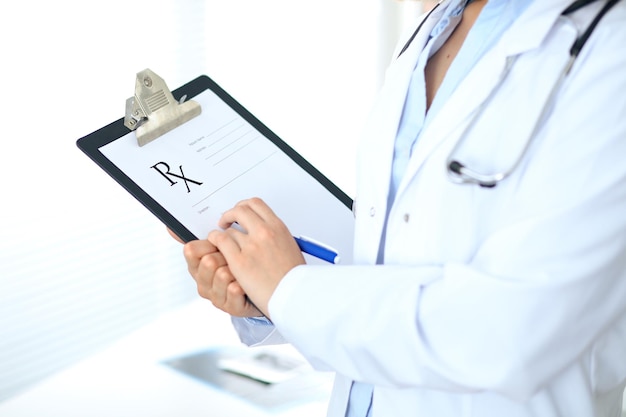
pixel 316 250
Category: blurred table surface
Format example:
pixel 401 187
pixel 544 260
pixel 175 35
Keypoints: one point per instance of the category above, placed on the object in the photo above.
pixel 131 378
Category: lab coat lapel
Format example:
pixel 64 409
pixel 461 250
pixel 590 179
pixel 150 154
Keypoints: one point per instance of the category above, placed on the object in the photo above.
pixel 380 133
pixel 479 83
pixel 378 142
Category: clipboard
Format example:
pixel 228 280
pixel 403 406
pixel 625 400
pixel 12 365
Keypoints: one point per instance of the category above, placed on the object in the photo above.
pixel 189 196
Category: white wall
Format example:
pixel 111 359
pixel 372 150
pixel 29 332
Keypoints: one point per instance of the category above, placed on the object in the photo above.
pixel 81 263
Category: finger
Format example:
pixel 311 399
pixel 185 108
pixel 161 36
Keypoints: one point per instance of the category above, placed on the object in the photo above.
pixel 260 208
pixel 221 280
pixel 226 242
pixel 226 294
pixel 204 274
pixel 209 265
pixel 268 219
pixel 242 215
pixel 194 251
pixel 237 301
pixel 175 236
pixel 247 214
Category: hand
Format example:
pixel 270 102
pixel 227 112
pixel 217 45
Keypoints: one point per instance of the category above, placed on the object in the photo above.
pixel 175 236
pixel 215 281
pixel 261 255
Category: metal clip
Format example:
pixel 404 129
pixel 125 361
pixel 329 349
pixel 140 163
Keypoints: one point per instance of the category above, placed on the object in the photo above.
pixel 153 111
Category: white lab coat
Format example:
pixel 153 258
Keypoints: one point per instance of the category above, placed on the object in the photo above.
pixel 508 301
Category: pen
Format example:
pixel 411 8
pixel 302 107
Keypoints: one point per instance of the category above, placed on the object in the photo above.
pixel 309 246
pixel 317 249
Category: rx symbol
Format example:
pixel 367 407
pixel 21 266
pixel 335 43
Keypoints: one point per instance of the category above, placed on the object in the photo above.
pixel 164 169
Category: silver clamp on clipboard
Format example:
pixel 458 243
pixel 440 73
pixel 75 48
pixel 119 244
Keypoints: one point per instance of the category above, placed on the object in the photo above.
pixel 153 111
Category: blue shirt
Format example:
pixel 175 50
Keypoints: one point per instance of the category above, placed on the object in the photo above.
pixel 495 17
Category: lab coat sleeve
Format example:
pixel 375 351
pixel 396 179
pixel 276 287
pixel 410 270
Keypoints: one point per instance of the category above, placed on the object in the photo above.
pixel 545 286
pixel 496 324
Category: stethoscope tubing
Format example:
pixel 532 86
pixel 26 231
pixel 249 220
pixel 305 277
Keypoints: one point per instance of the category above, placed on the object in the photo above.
pixel 457 171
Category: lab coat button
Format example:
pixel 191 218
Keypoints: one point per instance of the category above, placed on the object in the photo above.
pixel 406 217
pixel 372 211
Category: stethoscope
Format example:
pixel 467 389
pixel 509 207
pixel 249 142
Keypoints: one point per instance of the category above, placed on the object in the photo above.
pixel 461 174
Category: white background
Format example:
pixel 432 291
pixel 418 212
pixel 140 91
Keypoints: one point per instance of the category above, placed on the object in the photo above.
pixel 81 263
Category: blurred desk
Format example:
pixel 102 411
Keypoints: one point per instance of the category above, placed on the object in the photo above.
pixel 131 378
